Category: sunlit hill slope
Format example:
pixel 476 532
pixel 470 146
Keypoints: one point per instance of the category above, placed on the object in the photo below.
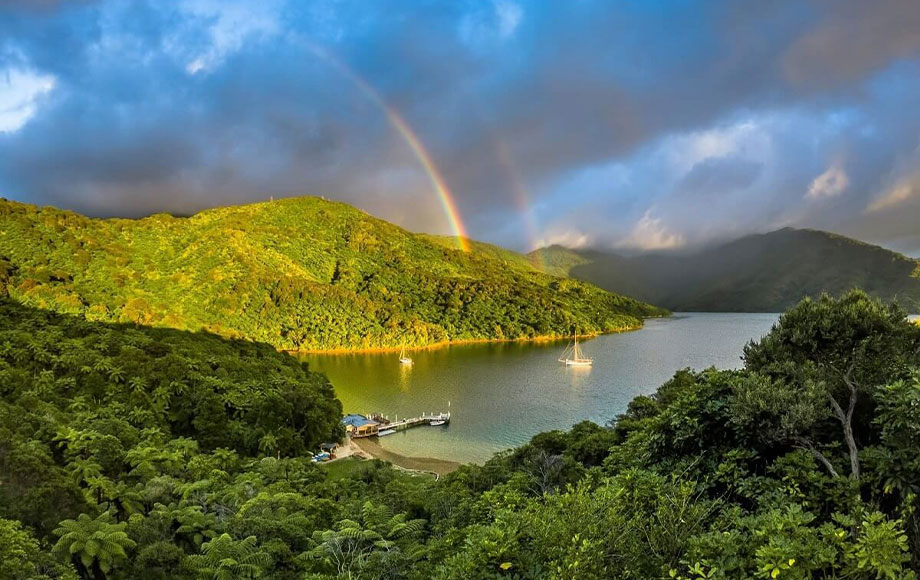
pixel 299 273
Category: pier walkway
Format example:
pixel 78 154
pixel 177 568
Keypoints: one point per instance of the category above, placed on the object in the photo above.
pixel 378 425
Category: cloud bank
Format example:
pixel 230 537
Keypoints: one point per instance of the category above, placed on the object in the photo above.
pixel 649 125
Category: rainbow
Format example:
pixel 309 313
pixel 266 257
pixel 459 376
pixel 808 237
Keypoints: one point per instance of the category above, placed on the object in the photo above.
pixel 521 198
pixel 399 123
pixel 440 186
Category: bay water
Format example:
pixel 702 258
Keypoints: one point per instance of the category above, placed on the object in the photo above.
pixel 501 394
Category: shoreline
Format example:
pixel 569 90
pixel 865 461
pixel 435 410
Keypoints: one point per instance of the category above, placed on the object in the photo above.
pixel 368 449
pixel 461 342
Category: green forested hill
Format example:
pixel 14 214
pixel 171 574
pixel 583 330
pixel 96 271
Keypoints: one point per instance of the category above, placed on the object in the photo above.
pixel 299 273
pixel 759 273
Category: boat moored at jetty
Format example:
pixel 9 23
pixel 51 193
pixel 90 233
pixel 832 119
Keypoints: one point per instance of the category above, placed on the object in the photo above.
pixel 377 425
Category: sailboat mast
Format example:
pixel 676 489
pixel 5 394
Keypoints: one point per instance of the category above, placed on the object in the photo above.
pixel 577 359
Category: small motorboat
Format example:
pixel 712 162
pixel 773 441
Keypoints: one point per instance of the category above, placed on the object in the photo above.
pixel 438 422
pixel 386 432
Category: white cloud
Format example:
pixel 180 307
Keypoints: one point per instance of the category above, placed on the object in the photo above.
pixel 232 23
pixel 195 66
pixel 900 192
pixel 568 238
pixel 482 28
pixel 509 17
pixel 650 233
pixel 829 184
pixel 745 138
pixel 20 92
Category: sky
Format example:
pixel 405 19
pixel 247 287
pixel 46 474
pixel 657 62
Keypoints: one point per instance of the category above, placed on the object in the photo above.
pixel 632 125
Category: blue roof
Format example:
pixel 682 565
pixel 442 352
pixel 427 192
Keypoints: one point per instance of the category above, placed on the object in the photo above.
pixel 357 421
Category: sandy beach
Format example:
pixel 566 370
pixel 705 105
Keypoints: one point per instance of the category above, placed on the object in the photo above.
pixel 369 448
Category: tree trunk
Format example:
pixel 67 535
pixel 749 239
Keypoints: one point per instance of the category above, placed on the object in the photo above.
pixel 81 569
pixel 846 420
pixel 98 574
pixel 851 445
pixel 805 444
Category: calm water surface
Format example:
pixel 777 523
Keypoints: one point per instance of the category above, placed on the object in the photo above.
pixel 502 394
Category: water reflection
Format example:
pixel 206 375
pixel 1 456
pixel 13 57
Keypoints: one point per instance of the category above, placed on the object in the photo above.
pixel 405 374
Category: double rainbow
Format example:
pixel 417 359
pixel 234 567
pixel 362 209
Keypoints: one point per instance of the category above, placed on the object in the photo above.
pixel 521 199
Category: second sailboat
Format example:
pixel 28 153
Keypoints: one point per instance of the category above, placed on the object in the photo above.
pixel 573 357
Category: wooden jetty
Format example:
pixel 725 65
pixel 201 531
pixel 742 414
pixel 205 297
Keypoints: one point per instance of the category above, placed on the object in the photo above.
pixel 374 424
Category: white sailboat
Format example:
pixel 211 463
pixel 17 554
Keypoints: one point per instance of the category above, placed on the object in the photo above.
pixel 403 359
pixel 574 357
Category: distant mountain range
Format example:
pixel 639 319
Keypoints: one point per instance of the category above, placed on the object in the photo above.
pixel 757 273
pixel 298 273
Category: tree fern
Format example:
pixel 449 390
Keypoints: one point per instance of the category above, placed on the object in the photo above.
pixel 94 546
pixel 224 558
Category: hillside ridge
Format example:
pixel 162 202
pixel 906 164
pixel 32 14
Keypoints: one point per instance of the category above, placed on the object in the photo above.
pixel 765 272
pixel 299 273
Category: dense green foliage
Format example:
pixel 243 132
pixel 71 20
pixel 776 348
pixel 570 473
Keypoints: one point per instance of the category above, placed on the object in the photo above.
pixel 300 273
pixel 85 403
pixel 761 273
pixel 719 474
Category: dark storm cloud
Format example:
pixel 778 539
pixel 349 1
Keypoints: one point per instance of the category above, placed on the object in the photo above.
pixel 640 123
pixel 853 39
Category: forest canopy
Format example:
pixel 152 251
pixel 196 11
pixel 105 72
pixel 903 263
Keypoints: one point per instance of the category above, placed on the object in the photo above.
pixel 803 464
pixel 299 274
